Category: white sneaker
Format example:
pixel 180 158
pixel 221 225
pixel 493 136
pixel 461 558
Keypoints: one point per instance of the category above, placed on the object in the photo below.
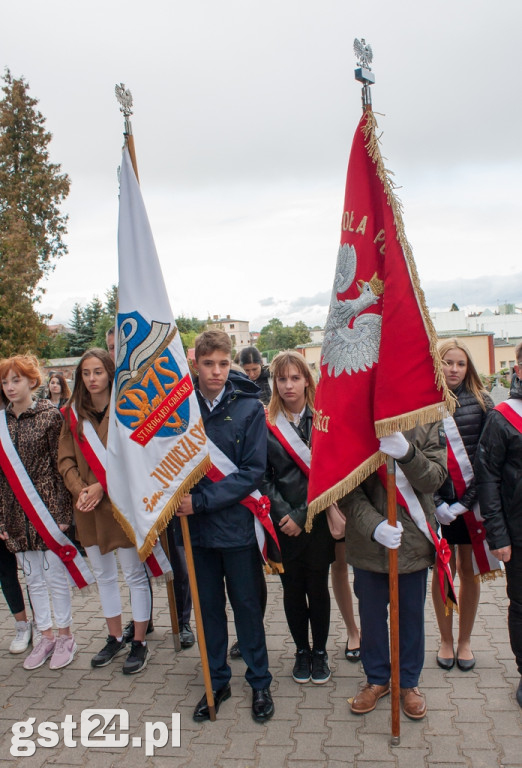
pixel 37 635
pixel 21 641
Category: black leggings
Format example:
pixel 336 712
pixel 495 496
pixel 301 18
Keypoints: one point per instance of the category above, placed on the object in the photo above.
pixel 9 580
pixel 306 600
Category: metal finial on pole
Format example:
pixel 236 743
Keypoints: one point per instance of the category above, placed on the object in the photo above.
pixel 364 73
pixel 124 97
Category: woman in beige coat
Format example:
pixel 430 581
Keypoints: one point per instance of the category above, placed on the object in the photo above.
pixel 96 528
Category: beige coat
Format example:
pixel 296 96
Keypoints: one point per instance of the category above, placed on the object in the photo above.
pixel 99 526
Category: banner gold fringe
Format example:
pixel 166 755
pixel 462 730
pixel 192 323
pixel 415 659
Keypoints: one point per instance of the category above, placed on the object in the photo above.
pixel 167 512
pixel 273 568
pixel 450 606
pixel 385 175
pixel 406 421
pixel 343 487
pixel 490 575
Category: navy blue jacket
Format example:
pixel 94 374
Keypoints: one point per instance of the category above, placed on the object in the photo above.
pixel 237 426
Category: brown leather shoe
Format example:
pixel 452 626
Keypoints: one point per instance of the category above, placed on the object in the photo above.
pixel 366 699
pixel 413 703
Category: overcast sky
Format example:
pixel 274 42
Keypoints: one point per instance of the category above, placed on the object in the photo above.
pixel 244 113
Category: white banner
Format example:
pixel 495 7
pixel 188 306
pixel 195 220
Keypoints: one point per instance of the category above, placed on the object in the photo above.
pixel 157 448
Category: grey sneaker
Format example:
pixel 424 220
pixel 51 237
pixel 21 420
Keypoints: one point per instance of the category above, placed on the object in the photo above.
pixel 137 659
pixel 112 648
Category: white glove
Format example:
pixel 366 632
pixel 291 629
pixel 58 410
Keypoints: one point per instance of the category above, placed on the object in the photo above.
pixel 445 514
pixel 394 445
pixel 388 535
pixel 458 509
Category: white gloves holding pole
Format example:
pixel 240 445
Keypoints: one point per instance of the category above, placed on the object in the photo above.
pixel 394 445
pixel 388 535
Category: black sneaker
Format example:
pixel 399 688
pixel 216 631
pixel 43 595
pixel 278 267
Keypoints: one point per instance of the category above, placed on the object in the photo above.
pixel 112 649
pixel 136 661
pixel 186 636
pixel 301 670
pixel 320 669
pixel 128 632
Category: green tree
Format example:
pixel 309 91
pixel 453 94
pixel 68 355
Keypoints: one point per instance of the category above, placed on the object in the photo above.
pixel 78 334
pixel 111 303
pixel 31 225
pixel 276 336
pixel 454 308
pixel 301 333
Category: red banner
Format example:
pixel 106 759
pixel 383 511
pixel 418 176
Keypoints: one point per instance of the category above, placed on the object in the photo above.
pixel 379 369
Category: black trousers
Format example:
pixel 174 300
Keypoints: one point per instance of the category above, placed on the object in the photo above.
pixel 239 570
pixel 9 580
pixel 514 592
pixel 306 600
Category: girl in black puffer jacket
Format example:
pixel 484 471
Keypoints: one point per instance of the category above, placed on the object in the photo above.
pixel 456 499
pixel 306 556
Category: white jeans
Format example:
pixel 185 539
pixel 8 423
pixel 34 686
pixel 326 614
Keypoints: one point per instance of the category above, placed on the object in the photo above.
pixel 47 580
pixel 105 570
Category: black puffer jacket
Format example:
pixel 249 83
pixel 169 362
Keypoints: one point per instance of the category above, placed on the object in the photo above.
pixel 498 474
pixel 287 488
pixel 263 382
pixel 470 419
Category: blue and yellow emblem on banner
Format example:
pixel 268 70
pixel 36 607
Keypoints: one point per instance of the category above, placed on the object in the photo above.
pixel 151 391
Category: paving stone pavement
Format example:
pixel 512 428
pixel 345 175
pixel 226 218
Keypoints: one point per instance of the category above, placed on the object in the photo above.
pixel 473 718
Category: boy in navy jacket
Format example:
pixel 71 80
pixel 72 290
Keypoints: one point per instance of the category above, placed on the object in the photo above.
pixel 222 529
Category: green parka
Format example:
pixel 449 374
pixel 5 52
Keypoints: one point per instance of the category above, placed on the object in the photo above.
pixel 425 467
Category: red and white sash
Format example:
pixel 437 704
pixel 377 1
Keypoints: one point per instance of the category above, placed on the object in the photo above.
pixel 291 442
pixel 95 454
pixel 511 410
pixel 36 511
pixel 302 456
pixel 408 499
pixel 259 506
pixel 461 473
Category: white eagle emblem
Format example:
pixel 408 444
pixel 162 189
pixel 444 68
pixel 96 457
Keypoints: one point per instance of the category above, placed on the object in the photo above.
pixel 351 346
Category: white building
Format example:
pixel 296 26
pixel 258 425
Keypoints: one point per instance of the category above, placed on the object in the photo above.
pixel 504 326
pixel 238 330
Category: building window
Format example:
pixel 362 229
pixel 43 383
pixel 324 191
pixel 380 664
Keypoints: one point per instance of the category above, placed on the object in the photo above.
pixel 231 326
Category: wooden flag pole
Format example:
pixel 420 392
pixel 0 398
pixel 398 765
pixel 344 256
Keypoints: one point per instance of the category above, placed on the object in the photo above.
pixel 199 619
pixel 393 576
pixel 364 75
pixel 124 97
pixel 173 611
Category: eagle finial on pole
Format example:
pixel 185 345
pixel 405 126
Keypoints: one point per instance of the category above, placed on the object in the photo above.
pixel 364 73
pixel 124 97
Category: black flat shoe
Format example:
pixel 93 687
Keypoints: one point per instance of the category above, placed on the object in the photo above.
pixel 201 711
pixel 465 665
pixel 446 663
pixel 262 705
pixel 352 654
